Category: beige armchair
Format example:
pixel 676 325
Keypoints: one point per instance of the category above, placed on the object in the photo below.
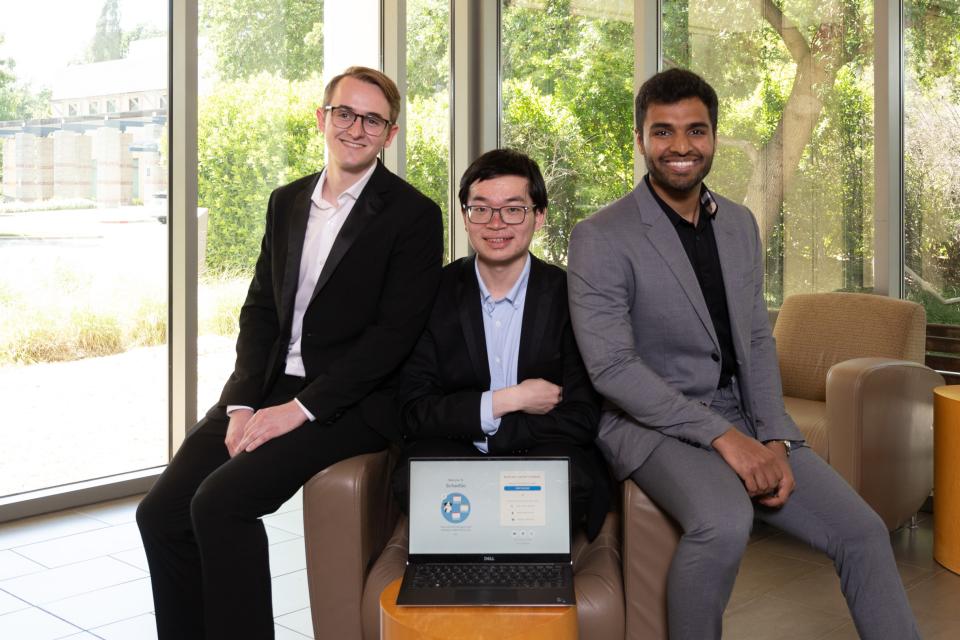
pixel 855 384
pixel 356 544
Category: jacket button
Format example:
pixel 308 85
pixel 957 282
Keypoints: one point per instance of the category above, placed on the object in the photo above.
pixel 715 357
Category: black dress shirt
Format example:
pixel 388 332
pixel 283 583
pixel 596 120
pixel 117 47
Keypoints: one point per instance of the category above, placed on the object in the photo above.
pixel 701 246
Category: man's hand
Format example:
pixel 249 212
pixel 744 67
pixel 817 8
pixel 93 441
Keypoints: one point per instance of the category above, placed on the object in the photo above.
pixel 787 482
pixel 534 395
pixel 758 466
pixel 267 424
pixel 236 428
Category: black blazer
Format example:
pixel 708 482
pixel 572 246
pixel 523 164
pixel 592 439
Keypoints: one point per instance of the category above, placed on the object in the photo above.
pixel 448 370
pixel 368 308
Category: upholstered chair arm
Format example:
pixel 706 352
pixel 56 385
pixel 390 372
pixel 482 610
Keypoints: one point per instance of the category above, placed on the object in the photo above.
pixel 347 515
pixel 650 538
pixel 880 432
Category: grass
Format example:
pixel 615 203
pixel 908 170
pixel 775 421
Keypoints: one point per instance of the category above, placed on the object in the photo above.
pixel 69 316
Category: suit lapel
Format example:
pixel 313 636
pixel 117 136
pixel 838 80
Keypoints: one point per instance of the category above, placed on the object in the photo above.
pixel 665 241
pixel 468 305
pixel 299 214
pixel 536 313
pixel 366 208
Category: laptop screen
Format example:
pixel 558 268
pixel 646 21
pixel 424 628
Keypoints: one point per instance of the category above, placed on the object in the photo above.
pixel 475 506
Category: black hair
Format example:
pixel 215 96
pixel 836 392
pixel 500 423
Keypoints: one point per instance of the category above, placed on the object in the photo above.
pixel 672 86
pixel 505 162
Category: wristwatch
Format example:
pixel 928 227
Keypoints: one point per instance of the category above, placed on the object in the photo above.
pixel 788 446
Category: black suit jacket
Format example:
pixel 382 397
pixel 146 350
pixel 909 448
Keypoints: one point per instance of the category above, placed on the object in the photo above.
pixel 368 308
pixel 448 372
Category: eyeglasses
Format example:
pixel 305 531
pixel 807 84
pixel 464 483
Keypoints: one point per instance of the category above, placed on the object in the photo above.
pixel 482 214
pixel 344 117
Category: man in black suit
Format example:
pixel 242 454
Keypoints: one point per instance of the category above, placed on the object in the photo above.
pixel 497 369
pixel 348 267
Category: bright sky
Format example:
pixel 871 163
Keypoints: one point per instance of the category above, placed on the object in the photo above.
pixel 42 36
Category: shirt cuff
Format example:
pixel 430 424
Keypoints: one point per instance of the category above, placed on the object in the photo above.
pixel 309 415
pixel 488 423
pixel 233 407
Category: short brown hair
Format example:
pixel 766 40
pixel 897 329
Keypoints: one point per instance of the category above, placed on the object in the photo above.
pixel 370 76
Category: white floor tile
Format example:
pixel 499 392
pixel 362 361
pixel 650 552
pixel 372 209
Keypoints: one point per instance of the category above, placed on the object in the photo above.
pixel 290 593
pixel 300 621
pixel 83 546
pixel 136 557
pixel 275 535
pixel 71 580
pixel 34 624
pixel 282 633
pixel 291 521
pixel 119 511
pixel 13 564
pixel 105 606
pixel 287 557
pixel 295 503
pixel 9 603
pixel 46 527
pixel 143 627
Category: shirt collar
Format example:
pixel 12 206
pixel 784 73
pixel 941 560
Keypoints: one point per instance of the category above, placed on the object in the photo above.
pixel 514 297
pixel 708 204
pixel 353 192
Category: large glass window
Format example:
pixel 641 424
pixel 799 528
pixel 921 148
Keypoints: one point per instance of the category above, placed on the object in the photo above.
pixel 795 81
pixel 83 251
pixel 932 157
pixel 567 97
pixel 428 103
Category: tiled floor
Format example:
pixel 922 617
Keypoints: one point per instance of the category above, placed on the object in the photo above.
pixel 82 574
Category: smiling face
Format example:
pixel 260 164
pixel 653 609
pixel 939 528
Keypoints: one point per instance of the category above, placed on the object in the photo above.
pixel 496 243
pixel 352 150
pixel 677 143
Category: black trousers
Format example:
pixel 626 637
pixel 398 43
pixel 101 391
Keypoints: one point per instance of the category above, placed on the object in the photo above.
pixel 589 489
pixel 205 543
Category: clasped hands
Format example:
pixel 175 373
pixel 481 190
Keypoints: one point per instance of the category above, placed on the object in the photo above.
pixel 248 430
pixel 763 468
pixel 533 395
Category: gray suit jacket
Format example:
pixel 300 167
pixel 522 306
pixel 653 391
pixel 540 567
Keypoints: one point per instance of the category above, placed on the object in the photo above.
pixel 646 336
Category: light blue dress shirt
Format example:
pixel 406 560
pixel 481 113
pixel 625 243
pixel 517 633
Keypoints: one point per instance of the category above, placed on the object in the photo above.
pixel 502 322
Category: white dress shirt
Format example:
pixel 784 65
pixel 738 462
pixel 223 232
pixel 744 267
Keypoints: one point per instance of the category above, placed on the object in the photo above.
pixel 324 224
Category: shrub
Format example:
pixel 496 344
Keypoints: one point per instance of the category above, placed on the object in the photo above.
pixel 253 135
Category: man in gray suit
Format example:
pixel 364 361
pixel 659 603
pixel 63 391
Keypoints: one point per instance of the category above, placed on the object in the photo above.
pixel 666 299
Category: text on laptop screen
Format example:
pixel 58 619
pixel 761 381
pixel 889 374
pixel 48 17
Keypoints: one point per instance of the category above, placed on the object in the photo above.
pixel 484 505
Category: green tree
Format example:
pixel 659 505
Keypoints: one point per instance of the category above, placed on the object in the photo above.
pixel 284 37
pixel 254 135
pixel 108 42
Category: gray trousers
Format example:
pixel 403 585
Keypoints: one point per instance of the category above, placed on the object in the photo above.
pixel 703 494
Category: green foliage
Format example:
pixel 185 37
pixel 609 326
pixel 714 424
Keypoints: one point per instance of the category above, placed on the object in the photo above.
pixel 283 37
pixel 428 132
pixel 108 42
pixel 254 135
pixel 428 48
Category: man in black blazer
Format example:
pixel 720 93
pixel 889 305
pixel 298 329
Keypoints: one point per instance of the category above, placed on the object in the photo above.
pixel 348 267
pixel 497 369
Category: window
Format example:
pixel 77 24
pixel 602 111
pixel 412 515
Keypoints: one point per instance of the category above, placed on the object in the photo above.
pixel 133 104
pixel 428 103
pixel 931 160
pixel 567 92
pixel 83 301
pixel 111 106
pixel 796 128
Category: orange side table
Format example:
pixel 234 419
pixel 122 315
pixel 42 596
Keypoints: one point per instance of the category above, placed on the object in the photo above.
pixel 473 623
pixel 946 476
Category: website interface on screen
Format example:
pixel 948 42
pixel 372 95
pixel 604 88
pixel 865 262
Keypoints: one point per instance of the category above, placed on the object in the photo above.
pixel 489 506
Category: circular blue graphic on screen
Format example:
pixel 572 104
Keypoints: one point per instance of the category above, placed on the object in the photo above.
pixel 455 508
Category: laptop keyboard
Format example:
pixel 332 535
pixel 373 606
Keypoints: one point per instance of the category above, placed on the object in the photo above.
pixel 522 576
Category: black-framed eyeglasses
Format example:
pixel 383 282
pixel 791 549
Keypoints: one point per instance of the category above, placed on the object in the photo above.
pixel 510 214
pixel 344 117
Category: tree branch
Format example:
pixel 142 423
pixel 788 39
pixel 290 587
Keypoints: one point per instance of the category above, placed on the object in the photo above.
pixel 789 32
pixel 743 145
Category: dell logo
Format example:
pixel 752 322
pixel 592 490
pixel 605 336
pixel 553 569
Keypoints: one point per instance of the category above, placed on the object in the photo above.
pixel 489 559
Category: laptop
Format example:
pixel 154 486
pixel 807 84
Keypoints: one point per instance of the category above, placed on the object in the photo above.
pixel 489 532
